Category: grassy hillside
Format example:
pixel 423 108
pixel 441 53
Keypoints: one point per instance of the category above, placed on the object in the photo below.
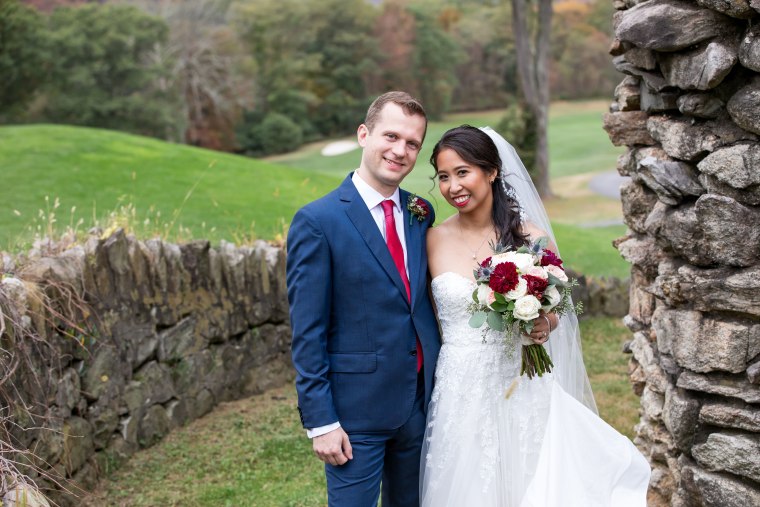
pixel 221 196
pixel 94 170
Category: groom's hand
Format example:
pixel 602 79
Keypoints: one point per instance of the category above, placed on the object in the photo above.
pixel 333 447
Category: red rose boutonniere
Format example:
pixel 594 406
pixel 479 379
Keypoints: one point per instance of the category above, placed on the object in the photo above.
pixel 417 208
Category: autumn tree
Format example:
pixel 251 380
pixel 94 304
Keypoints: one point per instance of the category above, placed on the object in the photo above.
pixel 580 64
pixel 206 69
pixel 394 32
pixel 532 32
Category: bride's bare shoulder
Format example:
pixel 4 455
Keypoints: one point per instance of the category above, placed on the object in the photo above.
pixel 442 230
pixel 534 232
pixel 440 233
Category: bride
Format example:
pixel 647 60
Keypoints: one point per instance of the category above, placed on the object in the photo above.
pixel 494 438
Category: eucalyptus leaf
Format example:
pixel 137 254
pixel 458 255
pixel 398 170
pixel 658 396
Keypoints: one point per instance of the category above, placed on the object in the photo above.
pixel 498 307
pixel 495 322
pixel 553 280
pixel 477 319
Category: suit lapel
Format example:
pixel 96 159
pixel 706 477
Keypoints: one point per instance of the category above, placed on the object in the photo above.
pixel 362 219
pixel 413 245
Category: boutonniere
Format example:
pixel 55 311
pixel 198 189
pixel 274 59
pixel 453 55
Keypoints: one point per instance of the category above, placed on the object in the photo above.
pixel 417 208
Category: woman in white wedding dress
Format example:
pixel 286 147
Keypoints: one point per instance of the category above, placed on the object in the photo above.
pixel 494 438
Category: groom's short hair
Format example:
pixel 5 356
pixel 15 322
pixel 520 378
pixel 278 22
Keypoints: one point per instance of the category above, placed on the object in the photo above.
pixel 409 105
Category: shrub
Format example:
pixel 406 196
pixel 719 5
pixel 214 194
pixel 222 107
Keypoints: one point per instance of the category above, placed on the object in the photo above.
pixel 276 133
pixel 518 126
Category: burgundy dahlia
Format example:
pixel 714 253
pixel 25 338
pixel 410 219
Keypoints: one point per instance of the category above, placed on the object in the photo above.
pixel 504 277
pixel 536 285
pixel 550 258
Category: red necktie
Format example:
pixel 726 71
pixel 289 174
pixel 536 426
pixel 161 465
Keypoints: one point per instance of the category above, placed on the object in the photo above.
pixel 397 252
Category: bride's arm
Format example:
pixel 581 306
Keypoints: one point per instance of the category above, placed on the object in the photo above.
pixel 432 240
pixel 535 233
pixel 546 322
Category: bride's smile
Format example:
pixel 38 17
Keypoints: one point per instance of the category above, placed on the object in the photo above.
pixel 463 185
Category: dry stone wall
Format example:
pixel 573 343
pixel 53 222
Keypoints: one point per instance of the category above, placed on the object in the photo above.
pixel 688 109
pixel 172 330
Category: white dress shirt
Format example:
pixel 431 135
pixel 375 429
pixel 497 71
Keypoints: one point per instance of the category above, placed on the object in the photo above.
pixel 372 198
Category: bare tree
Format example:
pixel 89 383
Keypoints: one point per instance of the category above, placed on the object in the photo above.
pixel 532 47
pixel 205 59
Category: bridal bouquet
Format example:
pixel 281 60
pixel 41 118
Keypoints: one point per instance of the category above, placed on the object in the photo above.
pixel 512 289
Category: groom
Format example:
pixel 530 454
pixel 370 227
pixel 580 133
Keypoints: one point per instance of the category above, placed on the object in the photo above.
pixel 365 339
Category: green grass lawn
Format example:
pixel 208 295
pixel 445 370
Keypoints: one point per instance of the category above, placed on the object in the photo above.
pixel 577 142
pixel 590 251
pixel 94 170
pixel 253 452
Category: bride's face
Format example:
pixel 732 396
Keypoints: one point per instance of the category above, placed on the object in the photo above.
pixel 465 186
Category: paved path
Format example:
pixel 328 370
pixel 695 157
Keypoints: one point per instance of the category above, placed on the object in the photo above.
pixel 608 184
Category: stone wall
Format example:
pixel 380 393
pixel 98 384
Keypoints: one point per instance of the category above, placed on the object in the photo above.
pixel 169 331
pixel 602 296
pixel 689 111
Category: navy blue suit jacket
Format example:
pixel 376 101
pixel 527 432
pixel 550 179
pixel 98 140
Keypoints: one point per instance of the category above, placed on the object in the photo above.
pixel 354 330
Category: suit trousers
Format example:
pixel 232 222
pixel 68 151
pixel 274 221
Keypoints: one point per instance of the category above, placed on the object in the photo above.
pixel 391 457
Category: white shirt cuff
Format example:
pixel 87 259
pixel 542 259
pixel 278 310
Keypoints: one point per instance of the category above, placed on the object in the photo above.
pixel 321 430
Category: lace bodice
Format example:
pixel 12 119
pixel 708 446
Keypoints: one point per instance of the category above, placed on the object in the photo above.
pixel 452 293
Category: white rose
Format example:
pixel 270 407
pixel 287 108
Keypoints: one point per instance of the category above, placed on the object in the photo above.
pixel 527 308
pixel 556 272
pixel 523 261
pixel 554 297
pixel 485 295
pixel 538 272
pixel 519 291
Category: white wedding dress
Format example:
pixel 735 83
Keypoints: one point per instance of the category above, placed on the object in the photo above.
pixel 536 447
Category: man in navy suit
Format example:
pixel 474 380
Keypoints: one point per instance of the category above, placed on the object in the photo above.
pixel 365 338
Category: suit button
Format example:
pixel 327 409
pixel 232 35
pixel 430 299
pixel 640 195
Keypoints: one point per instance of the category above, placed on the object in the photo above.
pixel 413 353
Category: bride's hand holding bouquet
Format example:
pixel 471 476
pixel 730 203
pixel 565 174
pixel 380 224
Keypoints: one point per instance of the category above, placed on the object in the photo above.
pixel 515 288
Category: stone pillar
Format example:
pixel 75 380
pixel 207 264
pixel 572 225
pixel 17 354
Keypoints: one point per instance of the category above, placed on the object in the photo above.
pixel 688 109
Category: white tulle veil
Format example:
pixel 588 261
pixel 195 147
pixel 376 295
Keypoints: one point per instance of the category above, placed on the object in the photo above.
pixel 564 345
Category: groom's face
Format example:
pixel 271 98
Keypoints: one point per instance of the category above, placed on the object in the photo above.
pixel 391 148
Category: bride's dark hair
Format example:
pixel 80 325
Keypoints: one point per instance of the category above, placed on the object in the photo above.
pixel 476 148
